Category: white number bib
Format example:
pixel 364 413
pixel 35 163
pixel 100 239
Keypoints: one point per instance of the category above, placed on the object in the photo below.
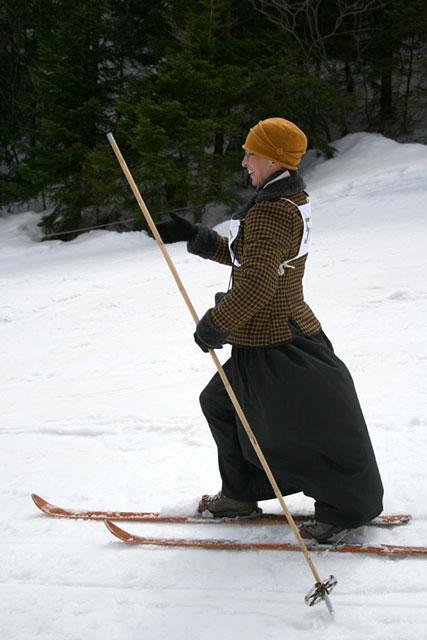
pixel 234 230
pixel 305 212
pixel 304 248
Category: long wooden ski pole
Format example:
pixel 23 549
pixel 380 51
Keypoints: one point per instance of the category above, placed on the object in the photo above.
pixel 321 589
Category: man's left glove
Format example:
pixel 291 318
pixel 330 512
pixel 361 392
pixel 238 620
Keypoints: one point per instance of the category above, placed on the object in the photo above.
pixel 176 229
pixel 207 335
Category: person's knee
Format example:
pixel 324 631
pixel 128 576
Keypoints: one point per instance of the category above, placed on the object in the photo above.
pixel 205 400
pixel 214 398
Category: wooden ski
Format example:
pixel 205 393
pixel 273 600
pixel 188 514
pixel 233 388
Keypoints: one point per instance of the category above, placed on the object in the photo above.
pixel 153 516
pixel 235 545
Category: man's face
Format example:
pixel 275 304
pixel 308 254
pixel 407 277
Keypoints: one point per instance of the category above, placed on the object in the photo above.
pixel 258 168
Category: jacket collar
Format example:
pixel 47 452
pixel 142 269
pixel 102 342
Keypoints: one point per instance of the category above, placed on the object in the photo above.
pixel 280 184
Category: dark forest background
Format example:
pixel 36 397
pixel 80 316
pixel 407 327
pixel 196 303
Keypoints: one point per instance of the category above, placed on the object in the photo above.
pixel 179 83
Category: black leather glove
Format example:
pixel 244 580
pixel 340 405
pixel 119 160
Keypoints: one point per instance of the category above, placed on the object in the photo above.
pixel 207 335
pixel 176 229
pixel 219 296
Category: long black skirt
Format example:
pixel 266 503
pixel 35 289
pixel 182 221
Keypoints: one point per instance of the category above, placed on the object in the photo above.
pixel 301 404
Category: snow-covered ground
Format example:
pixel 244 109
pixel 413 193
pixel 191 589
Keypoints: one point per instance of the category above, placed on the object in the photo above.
pixel 99 408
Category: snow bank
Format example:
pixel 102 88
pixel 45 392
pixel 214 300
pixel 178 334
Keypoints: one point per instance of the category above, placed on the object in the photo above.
pixel 365 162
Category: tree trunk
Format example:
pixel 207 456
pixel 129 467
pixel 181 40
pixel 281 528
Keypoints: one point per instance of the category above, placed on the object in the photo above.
pixel 349 82
pixel 386 95
pixel 219 144
pixel 408 88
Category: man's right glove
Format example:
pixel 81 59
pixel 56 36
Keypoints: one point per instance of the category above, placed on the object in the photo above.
pixel 176 229
pixel 207 335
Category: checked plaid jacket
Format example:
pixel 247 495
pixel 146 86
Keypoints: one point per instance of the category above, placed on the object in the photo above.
pixel 256 310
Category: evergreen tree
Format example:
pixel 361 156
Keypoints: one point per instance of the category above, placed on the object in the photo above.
pixel 179 123
pixel 182 126
pixel 371 53
pixel 17 48
pixel 395 58
pixel 71 83
pixel 76 75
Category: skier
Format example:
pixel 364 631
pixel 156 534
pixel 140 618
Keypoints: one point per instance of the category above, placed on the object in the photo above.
pixel 298 396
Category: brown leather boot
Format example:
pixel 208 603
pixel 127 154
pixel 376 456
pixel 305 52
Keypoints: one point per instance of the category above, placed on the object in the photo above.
pixel 323 532
pixel 219 506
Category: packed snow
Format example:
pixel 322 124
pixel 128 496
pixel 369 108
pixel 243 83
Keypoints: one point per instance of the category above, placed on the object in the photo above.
pixel 100 384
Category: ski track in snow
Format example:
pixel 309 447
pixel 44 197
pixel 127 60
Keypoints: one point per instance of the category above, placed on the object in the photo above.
pixel 99 409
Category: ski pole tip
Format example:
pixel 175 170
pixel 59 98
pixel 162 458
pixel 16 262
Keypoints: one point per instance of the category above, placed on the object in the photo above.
pixel 329 604
pixel 321 591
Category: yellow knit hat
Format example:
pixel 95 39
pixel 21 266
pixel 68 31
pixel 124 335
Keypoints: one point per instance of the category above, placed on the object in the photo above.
pixel 279 140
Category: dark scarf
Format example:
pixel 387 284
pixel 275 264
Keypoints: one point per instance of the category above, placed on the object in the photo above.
pixel 279 189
